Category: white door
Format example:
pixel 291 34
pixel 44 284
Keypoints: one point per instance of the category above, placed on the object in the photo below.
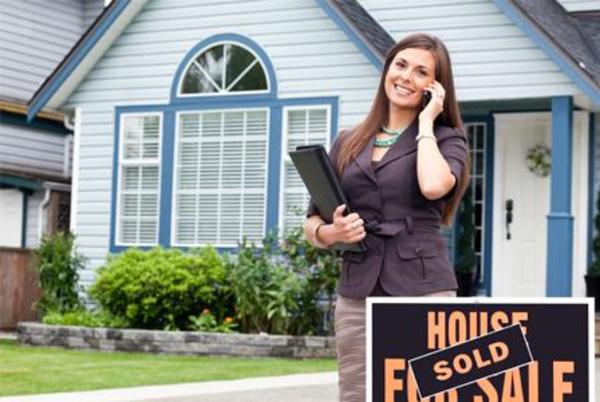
pixel 519 263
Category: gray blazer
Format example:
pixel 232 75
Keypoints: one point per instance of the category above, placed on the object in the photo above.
pixel 405 249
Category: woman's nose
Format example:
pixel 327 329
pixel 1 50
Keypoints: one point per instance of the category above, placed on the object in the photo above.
pixel 405 75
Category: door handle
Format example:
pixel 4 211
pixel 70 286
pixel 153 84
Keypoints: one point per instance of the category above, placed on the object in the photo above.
pixel 509 216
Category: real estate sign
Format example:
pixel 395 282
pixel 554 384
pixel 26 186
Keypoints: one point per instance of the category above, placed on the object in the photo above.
pixel 480 349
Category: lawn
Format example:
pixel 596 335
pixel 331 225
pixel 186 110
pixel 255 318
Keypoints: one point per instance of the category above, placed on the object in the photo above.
pixel 32 370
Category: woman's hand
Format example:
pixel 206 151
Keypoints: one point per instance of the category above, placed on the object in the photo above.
pixel 344 229
pixel 435 105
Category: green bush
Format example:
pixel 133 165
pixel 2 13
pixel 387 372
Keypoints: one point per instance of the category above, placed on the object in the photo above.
pixel 161 289
pixel 57 263
pixel 318 272
pixel 277 287
pixel 265 289
pixel 84 318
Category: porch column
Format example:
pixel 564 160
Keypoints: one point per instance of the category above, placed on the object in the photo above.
pixel 560 220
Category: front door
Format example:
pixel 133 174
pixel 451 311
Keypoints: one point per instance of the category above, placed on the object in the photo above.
pixel 519 247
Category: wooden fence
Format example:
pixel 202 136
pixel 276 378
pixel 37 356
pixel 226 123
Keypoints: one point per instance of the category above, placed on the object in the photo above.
pixel 19 290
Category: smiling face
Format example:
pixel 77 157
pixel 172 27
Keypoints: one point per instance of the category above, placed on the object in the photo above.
pixel 411 70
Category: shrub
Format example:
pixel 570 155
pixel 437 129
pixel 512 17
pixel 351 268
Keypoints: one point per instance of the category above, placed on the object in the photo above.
pixel 57 263
pixel 265 289
pixel 161 289
pixel 318 271
pixel 84 318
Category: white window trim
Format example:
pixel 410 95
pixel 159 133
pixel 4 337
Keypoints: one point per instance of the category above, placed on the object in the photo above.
pixel 121 163
pixel 220 93
pixel 174 178
pixel 285 157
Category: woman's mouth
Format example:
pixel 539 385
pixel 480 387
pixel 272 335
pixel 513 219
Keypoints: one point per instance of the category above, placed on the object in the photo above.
pixel 403 91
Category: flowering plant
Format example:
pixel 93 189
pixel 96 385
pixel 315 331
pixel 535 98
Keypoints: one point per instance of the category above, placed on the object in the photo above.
pixel 207 322
pixel 538 160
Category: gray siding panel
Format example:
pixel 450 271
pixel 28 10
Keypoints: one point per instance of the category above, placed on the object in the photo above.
pixel 91 10
pixel 34 37
pixel 33 151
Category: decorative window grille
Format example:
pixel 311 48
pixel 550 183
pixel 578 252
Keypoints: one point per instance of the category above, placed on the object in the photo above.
pixel 139 180
pixel 224 68
pixel 302 126
pixel 220 177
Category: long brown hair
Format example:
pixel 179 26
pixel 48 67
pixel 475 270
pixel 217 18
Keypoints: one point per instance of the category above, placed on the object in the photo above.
pixel 364 132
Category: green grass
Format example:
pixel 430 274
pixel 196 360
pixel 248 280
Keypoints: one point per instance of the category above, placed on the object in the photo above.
pixel 33 370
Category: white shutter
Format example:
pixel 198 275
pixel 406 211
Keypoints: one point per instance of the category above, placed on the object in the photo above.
pixel 302 126
pixel 139 183
pixel 220 177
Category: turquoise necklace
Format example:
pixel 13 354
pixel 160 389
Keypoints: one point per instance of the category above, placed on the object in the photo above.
pixel 388 141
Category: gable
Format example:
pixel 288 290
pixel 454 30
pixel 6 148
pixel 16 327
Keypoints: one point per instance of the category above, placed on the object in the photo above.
pixel 312 56
pixel 492 57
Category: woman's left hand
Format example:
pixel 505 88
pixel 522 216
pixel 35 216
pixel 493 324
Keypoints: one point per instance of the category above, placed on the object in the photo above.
pixel 436 104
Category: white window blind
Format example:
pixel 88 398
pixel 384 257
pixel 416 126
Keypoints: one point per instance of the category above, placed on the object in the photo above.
pixel 302 126
pixel 220 183
pixel 139 183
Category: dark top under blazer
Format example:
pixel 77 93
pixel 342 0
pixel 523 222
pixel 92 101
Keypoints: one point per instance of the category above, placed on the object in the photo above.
pixel 405 248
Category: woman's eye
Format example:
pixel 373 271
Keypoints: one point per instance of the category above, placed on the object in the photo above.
pixel 423 73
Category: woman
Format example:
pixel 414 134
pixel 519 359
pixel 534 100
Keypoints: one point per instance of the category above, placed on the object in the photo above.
pixel 404 170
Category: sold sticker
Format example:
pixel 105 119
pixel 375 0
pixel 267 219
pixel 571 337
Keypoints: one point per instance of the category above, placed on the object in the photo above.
pixel 470 361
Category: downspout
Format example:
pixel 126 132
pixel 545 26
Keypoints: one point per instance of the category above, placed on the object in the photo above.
pixel 69 121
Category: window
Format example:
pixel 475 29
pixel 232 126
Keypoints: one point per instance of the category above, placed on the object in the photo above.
pixel 220 177
pixel 476 133
pixel 139 179
pixel 224 68
pixel 210 166
pixel 302 126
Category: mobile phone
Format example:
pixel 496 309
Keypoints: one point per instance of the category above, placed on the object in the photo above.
pixel 426 98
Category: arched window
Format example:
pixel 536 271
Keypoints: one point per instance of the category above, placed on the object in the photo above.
pixel 224 68
pixel 214 165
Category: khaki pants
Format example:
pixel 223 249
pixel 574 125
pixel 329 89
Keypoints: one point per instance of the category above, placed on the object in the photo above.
pixel 350 339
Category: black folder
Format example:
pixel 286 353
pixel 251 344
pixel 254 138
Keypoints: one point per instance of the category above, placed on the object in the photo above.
pixel 319 177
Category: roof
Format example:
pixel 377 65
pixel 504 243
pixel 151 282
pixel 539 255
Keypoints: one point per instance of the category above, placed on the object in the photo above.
pixel 565 32
pixel 558 34
pixel 572 41
pixel 589 27
pixel 366 25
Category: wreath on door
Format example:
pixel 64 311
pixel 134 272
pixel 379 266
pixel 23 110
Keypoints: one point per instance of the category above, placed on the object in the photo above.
pixel 539 160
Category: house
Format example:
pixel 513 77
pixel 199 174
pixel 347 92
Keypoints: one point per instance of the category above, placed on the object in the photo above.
pixel 175 147
pixel 35 156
